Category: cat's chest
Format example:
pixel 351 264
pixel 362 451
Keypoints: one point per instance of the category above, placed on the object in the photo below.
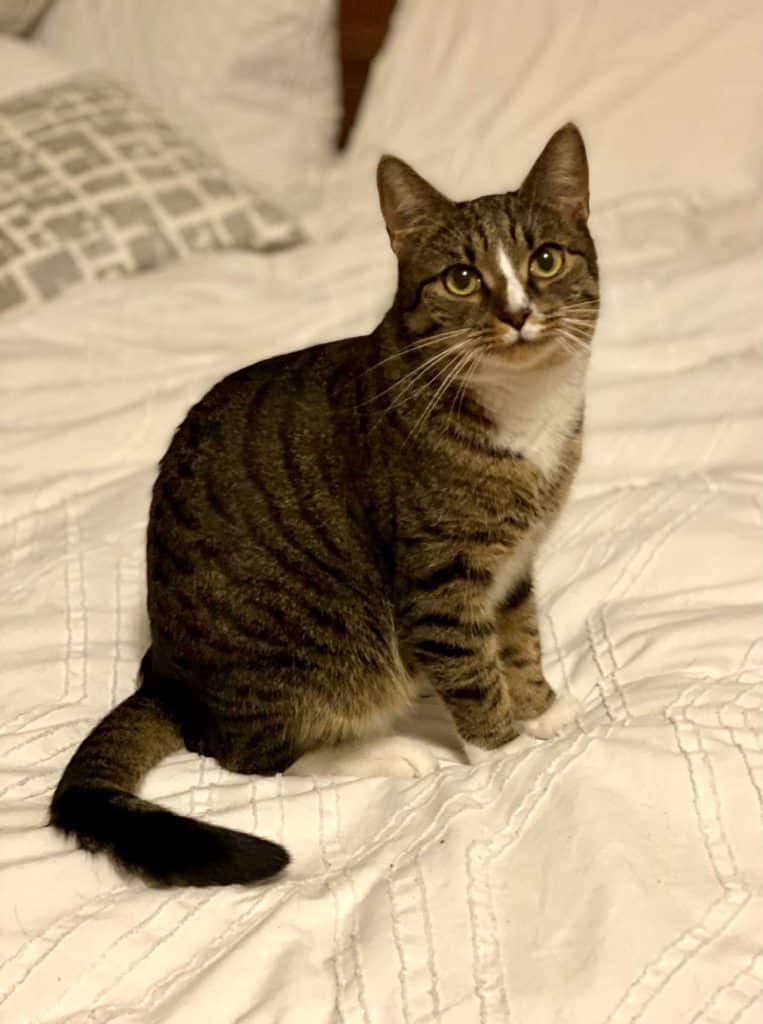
pixel 536 414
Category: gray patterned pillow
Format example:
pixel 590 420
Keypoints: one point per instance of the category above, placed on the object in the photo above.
pixel 93 184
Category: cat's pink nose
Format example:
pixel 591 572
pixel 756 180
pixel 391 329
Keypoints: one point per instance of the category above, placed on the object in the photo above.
pixel 516 318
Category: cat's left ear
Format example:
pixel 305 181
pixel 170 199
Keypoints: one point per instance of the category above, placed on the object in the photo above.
pixel 407 200
pixel 560 174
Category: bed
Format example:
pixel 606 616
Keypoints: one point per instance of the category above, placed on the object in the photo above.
pixel 613 874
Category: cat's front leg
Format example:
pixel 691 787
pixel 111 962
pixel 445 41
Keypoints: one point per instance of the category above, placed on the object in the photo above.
pixel 460 659
pixel 519 652
pixel 498 692
pixel 536 709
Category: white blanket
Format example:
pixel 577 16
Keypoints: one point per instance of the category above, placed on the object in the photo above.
pixel 611 875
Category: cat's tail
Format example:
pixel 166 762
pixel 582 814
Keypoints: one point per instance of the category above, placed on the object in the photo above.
pixel 95 801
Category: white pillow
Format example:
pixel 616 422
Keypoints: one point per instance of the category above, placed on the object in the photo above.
pixel 256 81
pixel 24 66
pixel 668 95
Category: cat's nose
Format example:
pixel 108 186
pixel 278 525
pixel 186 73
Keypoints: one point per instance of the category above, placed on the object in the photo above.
pixel 516 318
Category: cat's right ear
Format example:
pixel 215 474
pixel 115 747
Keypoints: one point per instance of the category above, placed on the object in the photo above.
pixel 406 200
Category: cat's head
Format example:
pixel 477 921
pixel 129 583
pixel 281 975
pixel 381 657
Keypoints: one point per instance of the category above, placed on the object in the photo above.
pixel 514 274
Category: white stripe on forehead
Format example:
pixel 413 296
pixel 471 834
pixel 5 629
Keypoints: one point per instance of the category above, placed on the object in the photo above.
pixel 516 296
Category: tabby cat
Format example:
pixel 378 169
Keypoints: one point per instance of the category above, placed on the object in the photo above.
pixel 331 526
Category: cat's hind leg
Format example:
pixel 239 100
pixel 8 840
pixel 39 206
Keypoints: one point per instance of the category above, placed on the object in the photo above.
pixel 357 740
pixel 378 756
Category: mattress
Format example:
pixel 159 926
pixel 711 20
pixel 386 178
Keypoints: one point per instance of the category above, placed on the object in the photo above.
pixel 612 874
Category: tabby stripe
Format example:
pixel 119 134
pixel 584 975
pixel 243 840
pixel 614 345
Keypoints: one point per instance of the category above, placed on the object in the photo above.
pixel 180 563
pixel 283 659
pixel 305 511
pixel 419 290
pixel 458 569
pixel 278 516
pixel 215 503
pixel 296 577
pixel 362 412
pixel 445 533
pixel 517 595
pixel 507 652
pixel 180 509
pixel 265 644
pixel 440 649
pixel 472 692
pixel 439 621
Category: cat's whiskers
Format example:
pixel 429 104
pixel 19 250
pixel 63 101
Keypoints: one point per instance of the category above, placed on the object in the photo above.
pixel 414 376
pixel 425 342
pixel 466 380
pixel 408 379
pixel 580 304
pixel 451 373
pixel 446 375
pixel 571 343
pixel 474 337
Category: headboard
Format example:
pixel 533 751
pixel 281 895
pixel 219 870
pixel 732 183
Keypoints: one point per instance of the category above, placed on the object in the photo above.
pixel 362 28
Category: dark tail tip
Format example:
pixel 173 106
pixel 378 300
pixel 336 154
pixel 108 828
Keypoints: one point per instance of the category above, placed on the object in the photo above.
pixel 162 847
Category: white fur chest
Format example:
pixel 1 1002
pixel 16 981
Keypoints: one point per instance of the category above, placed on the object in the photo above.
pixel 536 411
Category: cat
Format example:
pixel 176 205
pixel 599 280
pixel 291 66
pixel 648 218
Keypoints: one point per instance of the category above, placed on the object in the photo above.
pixel 330 526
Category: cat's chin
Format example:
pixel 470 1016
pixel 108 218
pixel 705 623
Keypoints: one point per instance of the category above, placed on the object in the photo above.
pixel 529 354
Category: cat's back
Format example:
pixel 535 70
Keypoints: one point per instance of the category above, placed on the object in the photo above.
pixel 256 453
pixel 258 405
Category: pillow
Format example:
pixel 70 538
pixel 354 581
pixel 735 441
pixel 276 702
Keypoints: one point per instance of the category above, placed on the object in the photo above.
pixel 93 185
pixel 19 16
pixel 256 81
pixel 668 96
pixel 24 66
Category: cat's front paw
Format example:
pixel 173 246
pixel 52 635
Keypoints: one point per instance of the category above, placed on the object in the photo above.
pixel 557 719
pixel 559 716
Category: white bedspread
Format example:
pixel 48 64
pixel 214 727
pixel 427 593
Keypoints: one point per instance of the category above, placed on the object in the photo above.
pixel 611 875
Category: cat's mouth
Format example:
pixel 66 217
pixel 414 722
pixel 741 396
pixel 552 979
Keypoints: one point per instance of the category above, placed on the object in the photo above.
pixel 525 348
pixel 527 336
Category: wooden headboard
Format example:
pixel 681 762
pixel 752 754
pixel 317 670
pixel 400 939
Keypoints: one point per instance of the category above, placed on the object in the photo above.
pixel 362 28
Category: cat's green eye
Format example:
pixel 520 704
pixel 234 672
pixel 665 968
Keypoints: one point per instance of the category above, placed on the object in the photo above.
pixel 547 261
pixel 462 280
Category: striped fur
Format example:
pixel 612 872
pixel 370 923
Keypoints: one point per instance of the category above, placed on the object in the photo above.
pixel 329 524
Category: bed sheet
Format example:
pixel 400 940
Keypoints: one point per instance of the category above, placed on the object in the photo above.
pixel 613 874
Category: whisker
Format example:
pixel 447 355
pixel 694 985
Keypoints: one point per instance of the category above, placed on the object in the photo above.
pixel 470 372
pixel 449 376
pixel 571 344
pixel 426 342
pixel 583 304
pixel 418 371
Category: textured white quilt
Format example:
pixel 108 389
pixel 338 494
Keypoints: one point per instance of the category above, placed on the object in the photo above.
pixel 611 875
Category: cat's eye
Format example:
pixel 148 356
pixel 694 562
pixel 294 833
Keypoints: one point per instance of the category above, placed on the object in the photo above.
pixel 462 280
pixel 547 261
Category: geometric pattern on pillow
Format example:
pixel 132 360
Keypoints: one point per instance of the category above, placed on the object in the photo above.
pixel 94 184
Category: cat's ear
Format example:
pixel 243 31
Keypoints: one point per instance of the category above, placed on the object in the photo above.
pixel 560 174
pixel 406 200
